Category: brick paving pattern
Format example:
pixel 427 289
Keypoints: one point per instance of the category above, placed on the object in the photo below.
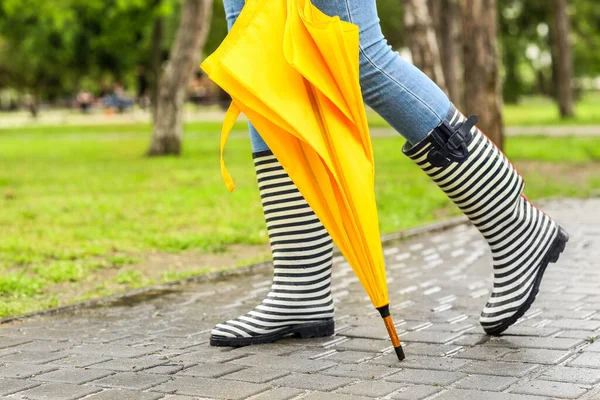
pixel 158 348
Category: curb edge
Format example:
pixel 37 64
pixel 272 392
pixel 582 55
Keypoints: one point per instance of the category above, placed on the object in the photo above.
pixel 226 273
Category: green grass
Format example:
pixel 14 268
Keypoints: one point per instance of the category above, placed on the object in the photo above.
pixel 537 111
pixel 83 212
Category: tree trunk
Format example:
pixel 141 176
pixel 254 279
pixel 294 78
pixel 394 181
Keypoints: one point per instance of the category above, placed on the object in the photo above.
pixel 483 93
pixel 422 41
pixel 561 51
pixel 191 36
pixel 445 15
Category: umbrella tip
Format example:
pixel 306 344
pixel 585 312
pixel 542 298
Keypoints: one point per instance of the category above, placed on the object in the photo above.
pixel 400 353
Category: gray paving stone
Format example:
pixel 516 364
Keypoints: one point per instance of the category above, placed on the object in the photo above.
pixel 130 380
pixel 573 375
pixel 483 353
pixel 17 370
pixel 313 382
pixel 425 362
pixel 332 396
pixel 257 374
pixel 371 345
pixel 58 391
pixel 462 394
pixel 350 357
pixel 114 350
pixel 122 394
pixel 551 389
pixel 207 387
pixel 9 386
pixel 575 324
pixel 520 330
pixel 537 356
pixel 486 382
pixel 499 368
pixel 428 349
pixel 426 336
pixel 589 360
pixel 284 363
pixel 7 350
pixel 560 314
pixel 202 357
pixel 375 389
pixel 417 392
pixel 10 341
pixel 78 360
pixel 578 334
pixel 361 371
pixel 128 364
pixel 275 349
pixel 374 331
pixel 210 370
pixel 167 369
pixel 281 393
pixel 72 375
pixel 594 347
pixel 455 327
pixel 33 357
pixel 471 339
pixel 426 377
pixel 44 346
pixel 536 343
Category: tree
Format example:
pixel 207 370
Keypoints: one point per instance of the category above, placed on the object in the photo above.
pixel 422 41
pixel 191 35
pixel 52 49
pixel 445 15
pixel 562 58
pixel 483 93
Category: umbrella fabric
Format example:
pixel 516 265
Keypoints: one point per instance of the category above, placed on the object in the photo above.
pixel 294 72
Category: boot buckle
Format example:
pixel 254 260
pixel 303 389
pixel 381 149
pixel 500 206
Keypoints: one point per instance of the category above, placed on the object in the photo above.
pixel 450 143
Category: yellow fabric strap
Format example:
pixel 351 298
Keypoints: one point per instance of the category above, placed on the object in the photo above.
pixel 230 117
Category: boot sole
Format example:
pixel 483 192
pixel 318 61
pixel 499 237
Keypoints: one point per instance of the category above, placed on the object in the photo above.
pixel 304 331
pixel 551 257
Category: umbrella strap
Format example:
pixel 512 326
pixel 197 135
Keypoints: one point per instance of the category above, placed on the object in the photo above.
pixel 233 112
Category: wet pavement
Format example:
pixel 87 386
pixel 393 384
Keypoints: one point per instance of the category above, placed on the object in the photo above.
pixel 155 346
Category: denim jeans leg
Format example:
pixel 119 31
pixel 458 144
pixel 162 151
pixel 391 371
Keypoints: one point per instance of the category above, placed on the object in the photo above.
pixel 398 91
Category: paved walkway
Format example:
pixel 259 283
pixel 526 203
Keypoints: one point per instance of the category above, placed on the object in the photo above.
pixel 157 348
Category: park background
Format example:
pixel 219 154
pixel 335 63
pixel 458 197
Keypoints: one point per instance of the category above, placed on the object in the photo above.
pixel 124 191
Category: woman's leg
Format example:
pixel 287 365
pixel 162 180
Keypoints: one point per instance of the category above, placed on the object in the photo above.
pixel 466 165
pixel 398 91
pixel 300 299
pixel 463 162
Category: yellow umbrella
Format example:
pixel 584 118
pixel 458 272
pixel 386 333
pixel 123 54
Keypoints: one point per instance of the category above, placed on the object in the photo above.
pixel 294 72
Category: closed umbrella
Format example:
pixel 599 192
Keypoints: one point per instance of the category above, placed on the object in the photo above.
pixel 293 71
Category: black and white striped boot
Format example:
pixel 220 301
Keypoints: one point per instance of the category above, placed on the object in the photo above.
pixel 483 183
pixel 299 301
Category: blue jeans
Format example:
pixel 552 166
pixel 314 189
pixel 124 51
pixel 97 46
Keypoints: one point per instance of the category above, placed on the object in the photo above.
pixel 398 91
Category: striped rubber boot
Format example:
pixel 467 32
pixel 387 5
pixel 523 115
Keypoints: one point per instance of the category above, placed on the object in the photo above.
pixel 483 183
pixel 300 299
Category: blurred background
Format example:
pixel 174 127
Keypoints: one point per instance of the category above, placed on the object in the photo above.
pixel 109 173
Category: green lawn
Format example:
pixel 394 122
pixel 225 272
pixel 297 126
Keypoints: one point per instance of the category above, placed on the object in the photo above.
pixel 83 213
